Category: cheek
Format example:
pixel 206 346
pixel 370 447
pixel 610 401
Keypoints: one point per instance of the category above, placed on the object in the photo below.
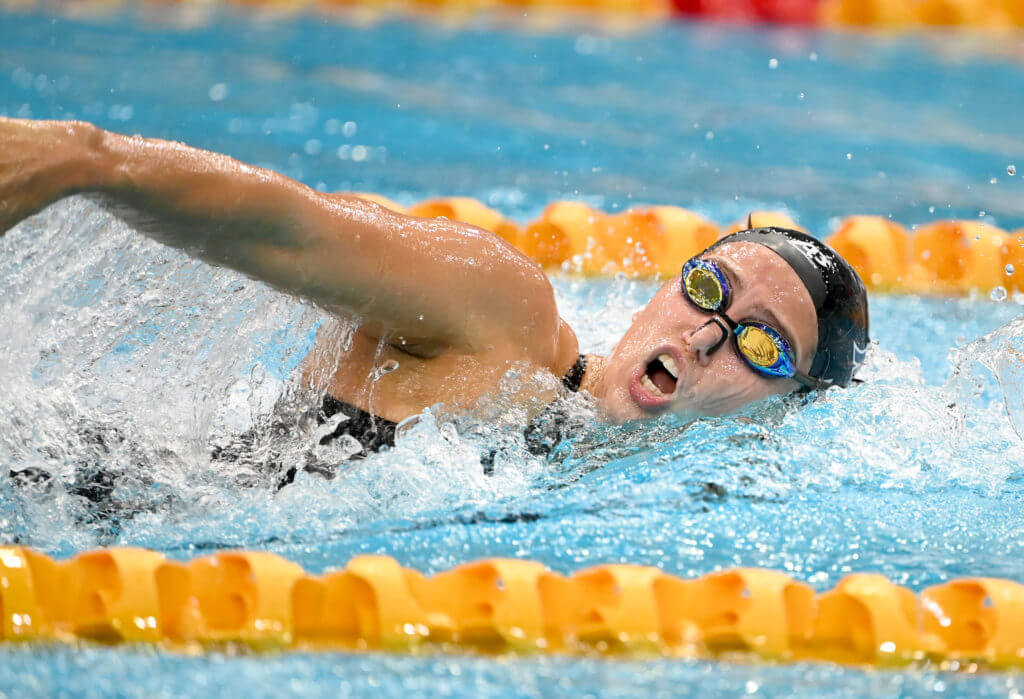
pixel 653 323
pixel 729 384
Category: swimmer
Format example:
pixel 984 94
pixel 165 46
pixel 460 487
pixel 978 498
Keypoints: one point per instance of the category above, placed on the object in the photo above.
pixel 452 307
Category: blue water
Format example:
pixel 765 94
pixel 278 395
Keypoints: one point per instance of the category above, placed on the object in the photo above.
pixel 916 474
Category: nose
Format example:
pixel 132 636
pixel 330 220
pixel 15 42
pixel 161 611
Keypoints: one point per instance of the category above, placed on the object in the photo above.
pixel 705 340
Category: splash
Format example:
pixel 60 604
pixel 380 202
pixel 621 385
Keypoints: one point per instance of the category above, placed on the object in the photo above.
pixel 1001 352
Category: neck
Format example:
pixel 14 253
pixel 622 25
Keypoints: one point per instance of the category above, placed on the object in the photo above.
pixel 593 378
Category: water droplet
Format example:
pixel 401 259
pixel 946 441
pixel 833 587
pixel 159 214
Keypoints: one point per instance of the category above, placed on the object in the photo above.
pixel 449 433
pixel 218 92
pixel 344 447
pixel 998 294
pixel 388 366
pixel 773 64
pixel 1011 170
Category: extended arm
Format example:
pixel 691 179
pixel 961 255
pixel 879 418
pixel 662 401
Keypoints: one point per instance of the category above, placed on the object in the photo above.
pixel 429 282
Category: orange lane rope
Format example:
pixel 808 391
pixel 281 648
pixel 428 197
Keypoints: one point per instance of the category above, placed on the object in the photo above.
pixel 996 17
pixel 944 257
pixel 987 15
pixel 263 601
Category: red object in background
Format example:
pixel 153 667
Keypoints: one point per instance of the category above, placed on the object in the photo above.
pixel 789 11
pixel 735 10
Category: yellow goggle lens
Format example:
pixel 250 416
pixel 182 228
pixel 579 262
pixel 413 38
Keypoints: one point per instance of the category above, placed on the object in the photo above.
pixel 704 289
pixel 758 346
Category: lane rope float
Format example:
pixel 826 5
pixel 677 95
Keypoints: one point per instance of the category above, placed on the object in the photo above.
pixel 263 601
pixel 939 258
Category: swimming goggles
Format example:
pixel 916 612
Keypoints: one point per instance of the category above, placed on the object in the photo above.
pixel 763 347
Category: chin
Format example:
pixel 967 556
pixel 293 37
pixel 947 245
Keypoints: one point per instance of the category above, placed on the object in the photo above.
pixel 619 408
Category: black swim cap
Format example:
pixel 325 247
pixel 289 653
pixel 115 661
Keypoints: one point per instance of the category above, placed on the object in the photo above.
pixel 838 294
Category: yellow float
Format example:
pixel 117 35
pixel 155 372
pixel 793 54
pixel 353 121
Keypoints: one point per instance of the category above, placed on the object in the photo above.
pixel 262 601
pixel 943 257
pixel 990 15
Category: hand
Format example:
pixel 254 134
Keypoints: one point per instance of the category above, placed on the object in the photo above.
pixel 41 161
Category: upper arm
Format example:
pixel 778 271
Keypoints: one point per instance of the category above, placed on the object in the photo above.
pixel 421 281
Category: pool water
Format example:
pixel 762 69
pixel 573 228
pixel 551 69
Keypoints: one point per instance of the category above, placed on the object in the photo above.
pixel 917 474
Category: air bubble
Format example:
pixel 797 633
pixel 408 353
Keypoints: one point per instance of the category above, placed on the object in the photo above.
pixel 1011 170
pixel 998 294
pixel 773 64
pixel 1010 270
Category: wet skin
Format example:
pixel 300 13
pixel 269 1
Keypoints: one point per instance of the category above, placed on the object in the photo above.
pixel 711 380
pixel 450 307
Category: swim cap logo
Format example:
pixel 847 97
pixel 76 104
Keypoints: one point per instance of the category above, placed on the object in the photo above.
pixel 814 253
pixel 859 353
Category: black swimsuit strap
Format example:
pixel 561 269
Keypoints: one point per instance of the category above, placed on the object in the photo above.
pixel 371 431
pixel 574 377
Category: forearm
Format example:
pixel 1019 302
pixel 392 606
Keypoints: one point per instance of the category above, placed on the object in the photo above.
pixel 336 251
pixel 219 209
pixel 207 203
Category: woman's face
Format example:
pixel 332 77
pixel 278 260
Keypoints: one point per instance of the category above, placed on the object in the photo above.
pixel 709 381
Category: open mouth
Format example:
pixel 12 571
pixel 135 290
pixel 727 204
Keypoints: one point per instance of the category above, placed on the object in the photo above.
pixel 661 375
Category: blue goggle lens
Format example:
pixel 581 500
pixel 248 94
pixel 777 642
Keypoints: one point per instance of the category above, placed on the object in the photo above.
pixel 765 350
pixel 705 285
